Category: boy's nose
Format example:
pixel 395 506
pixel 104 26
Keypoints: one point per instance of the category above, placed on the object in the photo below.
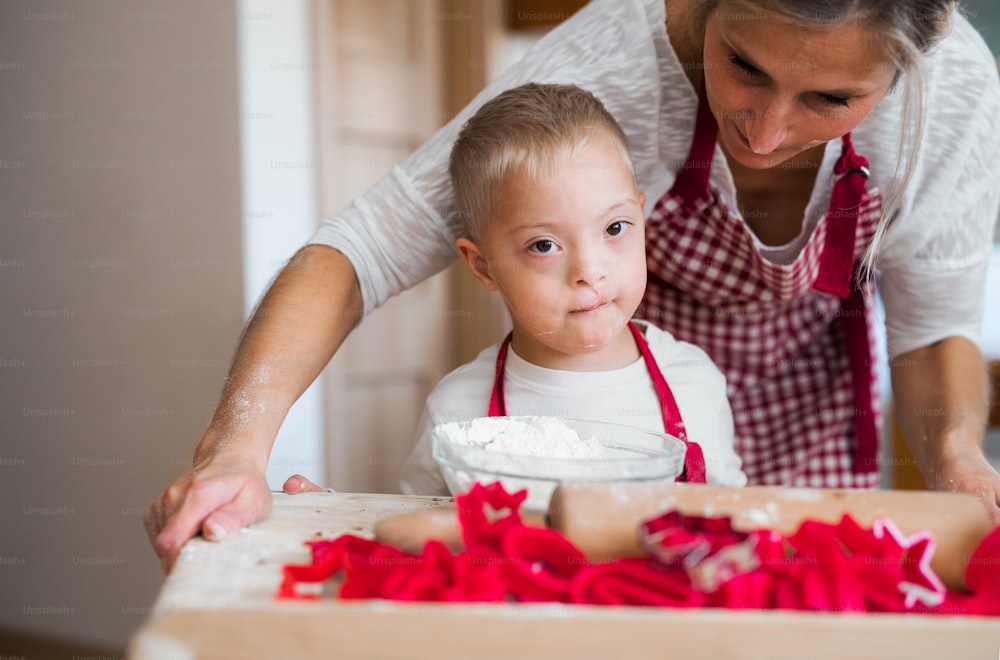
pixel 590 270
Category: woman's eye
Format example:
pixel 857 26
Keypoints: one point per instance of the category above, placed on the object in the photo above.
pixel 743 65
pixel 829 99
pixel 616 228
pixel 542 247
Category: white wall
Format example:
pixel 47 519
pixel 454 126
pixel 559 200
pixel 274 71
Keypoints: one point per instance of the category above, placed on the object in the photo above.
pixel 990 343
pixel 120 290
pixel 991 317
pixel 280 185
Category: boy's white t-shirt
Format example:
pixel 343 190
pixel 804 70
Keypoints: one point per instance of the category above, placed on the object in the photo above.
pixel 621 396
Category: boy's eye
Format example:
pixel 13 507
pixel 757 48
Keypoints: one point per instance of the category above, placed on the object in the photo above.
pixel 542 247
pixel 616 228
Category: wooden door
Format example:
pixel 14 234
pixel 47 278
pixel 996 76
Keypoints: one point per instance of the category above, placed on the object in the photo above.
pixel 390 73
pixel 380 78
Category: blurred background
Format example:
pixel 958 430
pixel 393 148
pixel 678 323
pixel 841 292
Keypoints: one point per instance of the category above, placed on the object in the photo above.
pixel 159 162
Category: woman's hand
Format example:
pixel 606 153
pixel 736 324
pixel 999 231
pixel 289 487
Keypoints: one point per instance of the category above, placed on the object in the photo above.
pixel 217 498
pixel 940 398
pixel 307 312
pixel 969 473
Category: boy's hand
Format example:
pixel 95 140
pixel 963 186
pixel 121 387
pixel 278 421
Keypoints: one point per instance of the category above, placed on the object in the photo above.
pixel 217 499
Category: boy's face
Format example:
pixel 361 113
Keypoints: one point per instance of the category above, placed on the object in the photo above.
pixel 567 254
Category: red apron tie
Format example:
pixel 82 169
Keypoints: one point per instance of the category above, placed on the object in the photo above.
pixel 694 458
pixel 836 276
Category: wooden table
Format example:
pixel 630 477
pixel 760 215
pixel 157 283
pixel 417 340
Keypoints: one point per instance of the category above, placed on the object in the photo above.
pixel 219 603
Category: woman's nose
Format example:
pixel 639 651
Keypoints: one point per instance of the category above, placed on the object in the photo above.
pixel 766 129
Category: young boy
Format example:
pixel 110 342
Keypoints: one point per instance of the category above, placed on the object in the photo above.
pixel 545 189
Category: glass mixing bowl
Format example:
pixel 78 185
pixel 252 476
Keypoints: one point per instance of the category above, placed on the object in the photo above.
pixel 469 451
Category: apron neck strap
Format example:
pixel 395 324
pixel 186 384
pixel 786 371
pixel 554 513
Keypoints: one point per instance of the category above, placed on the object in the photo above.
pixel 694 457
pixel 692 180
pixel 498 403
pixel 836 264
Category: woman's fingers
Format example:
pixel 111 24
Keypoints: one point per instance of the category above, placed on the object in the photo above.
pixel 972 474
pixel 248 507
pixel 218 506
pixel 989 493
pixel 296 484
pixel 185 511
pixel 154 519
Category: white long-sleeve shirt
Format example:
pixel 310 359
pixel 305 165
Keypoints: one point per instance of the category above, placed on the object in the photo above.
pixel 932 261
pixel 620 396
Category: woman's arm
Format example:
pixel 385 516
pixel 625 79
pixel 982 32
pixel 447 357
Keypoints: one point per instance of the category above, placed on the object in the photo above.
pixel 305 315
pixel 941 398
pixel 396 235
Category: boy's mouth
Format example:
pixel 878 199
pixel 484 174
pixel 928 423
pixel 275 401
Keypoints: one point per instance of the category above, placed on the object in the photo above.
pixel 597 305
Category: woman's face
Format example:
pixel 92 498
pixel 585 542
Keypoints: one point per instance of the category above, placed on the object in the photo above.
pixel 777 89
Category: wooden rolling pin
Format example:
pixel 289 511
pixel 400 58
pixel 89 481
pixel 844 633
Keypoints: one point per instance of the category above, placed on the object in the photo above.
pixel 603 520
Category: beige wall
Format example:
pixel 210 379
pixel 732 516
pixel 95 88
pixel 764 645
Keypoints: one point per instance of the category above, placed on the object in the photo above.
pixel 120 290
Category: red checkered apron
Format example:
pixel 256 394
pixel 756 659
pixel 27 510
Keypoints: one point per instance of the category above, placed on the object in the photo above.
pixel 792 338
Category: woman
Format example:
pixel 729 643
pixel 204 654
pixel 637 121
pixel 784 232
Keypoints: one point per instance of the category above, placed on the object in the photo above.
pixel 786 154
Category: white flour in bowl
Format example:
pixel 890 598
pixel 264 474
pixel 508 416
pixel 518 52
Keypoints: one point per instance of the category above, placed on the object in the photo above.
pixel 547 437
pixel 537 453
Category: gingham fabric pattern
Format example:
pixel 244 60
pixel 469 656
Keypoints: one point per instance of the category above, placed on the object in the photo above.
pixel 779 342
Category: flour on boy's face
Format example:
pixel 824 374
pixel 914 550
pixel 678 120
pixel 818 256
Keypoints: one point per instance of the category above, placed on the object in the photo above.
pixel 566 251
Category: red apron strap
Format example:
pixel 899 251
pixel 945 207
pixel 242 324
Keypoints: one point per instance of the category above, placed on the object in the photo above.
pixel 673 424
pixel 498 404
pixel 836 276
pixel 836 264
pixel 692 179
pixel 859 355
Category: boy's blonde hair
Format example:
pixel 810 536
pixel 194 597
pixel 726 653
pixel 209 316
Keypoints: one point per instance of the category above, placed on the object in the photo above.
pixel 527 129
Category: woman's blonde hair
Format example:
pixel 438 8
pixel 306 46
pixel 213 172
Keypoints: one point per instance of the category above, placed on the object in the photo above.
pixel 527 129
pixel 906 29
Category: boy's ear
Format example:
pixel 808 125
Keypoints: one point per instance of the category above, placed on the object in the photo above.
pixel 477 263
